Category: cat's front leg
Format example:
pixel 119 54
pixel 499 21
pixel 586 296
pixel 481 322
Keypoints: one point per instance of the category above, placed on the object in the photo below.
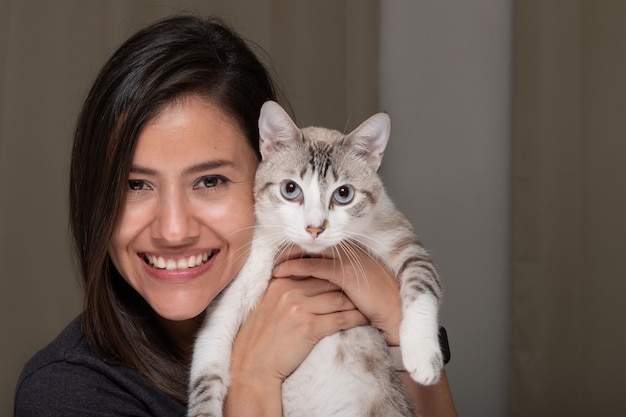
pixel 210 369
pixel 210 372
pixel 419 340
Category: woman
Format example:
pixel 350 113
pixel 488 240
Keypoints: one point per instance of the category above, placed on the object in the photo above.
pixel 162 168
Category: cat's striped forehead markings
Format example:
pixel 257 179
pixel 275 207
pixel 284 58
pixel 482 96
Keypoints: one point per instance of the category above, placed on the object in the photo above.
pixel 320 156
pixel 323 158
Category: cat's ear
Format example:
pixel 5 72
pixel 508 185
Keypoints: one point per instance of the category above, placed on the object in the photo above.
pixel 276 129
pixel 370 139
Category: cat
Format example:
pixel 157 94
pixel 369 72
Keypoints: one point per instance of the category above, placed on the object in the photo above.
pixel 316 188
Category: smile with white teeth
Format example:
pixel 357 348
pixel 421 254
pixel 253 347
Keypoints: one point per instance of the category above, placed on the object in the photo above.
pixel 159 262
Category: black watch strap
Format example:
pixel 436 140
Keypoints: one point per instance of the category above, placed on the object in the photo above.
pixel 444 344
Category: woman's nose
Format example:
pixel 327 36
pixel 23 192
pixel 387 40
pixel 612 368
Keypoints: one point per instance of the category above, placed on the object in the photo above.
pixel 176 223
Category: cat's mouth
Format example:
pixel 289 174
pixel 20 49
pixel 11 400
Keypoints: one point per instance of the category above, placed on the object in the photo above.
pixel 192 261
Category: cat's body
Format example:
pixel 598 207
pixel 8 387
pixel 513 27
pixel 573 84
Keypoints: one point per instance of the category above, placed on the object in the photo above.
pixel 316 188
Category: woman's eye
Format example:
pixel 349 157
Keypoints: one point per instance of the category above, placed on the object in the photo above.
pixel 211 181
pixel 343 194
pixel 290 190
pixel 137 185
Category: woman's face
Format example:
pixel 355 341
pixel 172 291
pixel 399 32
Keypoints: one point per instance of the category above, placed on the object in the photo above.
pixel 186 225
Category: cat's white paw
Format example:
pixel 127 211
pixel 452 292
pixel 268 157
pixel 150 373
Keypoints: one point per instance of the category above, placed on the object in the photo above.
pixel 424 362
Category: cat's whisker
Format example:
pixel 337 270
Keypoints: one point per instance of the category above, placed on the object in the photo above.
pixel 370 251
pixel 345 128
pixel 275 239
pixel 338 259
pixel 358 266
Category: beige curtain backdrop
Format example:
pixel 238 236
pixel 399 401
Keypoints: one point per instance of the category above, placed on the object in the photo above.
pixel 569 209
pixel 324 53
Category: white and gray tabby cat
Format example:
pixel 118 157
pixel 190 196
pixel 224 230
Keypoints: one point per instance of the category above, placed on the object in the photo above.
pixel 315 189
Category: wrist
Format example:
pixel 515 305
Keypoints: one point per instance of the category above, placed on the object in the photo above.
pixel 253 396
pixel 393 340
pixel 254 389
pixel 391 330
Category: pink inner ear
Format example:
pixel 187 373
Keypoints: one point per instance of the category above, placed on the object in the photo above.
pixel 276 129
pixel 370 139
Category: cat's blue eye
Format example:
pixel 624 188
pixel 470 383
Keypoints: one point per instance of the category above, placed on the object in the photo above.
pixel 343 194
pixel 290 190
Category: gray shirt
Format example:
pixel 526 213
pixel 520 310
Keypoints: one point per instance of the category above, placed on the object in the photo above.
pixel 67 379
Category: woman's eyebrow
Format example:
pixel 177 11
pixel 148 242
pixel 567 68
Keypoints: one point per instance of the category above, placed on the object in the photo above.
pixel 135 169
pixel 194 169
pixel 208 166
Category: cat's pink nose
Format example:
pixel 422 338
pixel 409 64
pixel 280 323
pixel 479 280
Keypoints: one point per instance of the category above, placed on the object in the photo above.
pixel 314 231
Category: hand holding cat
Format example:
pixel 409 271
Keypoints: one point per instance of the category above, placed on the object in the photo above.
pixel 367 283
pixel 283 328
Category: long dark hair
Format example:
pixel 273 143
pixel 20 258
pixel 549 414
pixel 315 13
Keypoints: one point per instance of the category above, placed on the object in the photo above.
pixel 172 58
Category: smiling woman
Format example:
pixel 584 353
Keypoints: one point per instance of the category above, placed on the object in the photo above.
pixel 185 227
pixel 165 142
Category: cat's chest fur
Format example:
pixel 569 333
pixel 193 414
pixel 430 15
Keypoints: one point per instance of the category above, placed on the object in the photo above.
pixel 347 374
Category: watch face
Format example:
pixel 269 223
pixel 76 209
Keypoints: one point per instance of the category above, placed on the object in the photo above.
pixel 443 343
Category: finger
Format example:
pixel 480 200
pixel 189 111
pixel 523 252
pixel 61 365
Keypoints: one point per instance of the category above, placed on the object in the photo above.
pixel 313 267
pixel 296 287
pixel 331 302
pixel 328 324
pixel 349 272
pixel 355 285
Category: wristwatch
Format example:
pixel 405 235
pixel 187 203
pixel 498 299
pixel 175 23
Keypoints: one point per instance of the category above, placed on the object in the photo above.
pixel 396 354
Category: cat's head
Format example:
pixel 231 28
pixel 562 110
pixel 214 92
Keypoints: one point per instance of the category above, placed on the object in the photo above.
pixel 316 187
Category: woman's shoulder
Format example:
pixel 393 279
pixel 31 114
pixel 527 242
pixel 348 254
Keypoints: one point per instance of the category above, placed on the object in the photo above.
pixel 67 342
pixel 66 378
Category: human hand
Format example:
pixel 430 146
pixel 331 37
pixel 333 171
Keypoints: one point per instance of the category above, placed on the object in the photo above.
pixel 291 318
pixel 365 280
